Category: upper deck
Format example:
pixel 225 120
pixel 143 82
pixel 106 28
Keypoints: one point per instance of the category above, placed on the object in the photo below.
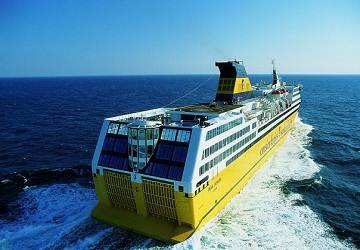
pixel 178 163
pixel 208 108
pixel 174 144
pixel 207 114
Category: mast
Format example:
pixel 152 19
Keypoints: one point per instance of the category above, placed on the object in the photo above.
pixel 276 77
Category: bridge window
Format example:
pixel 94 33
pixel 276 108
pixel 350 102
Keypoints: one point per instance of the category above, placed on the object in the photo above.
pixel 123 130
pixel 134 152
pixel 113 128
pixel 183 136
pixel 150 150
pixel 141 141
pixel 168 134
pixel 141 134
pixel 149 134
pixel 133 133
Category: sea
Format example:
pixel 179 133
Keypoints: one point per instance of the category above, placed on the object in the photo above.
pixel 307 196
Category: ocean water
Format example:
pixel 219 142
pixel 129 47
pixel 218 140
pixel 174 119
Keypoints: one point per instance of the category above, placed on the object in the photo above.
pixel 306 197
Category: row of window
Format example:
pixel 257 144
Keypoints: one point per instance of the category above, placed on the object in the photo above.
pixel 217 146
pixel 227 81
pixel 168 161
pixel 253 125
pixel 156 169
pixel 171 153
pixel 234 157
pixel 141 151
pixel 144 134
pixel 287 114
pixel 226 84
pixel 221 129
pixel 165 171
pixel 117 129
pixel 117 145
pixel 204 168
pixel 296 99
pixel 113 161
pixel 296 93
pixel 225 87
pixel 137 163
pixel 141 145
pixel 169 134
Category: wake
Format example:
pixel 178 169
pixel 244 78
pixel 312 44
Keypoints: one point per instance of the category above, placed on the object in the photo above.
pixel 261 216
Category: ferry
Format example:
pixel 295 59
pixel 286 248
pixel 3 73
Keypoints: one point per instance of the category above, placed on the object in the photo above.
pixel 164 173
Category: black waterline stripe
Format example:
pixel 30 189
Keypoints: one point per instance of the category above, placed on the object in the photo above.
pixel 240 179
pixel 277 118
pixel 238 154
pixel 230 160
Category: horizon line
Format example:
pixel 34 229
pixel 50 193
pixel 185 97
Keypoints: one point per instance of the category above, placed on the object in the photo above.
pixel 169 74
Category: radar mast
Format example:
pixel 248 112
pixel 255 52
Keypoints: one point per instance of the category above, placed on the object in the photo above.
pixel 276 77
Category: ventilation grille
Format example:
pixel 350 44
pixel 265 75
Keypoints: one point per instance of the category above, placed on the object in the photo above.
pixel 119 190
pixel 160 199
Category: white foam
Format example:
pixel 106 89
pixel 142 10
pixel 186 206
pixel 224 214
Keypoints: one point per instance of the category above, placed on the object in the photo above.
pixel 262 217
pixel 48 213
pixel 89 240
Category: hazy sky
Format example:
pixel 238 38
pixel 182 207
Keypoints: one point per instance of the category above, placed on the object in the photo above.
pixel 45 38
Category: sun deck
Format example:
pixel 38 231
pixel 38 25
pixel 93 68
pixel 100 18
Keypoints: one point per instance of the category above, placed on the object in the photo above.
pixel 207 108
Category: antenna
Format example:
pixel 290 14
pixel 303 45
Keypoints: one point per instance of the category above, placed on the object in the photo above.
pixel 273 63
pixel 276 77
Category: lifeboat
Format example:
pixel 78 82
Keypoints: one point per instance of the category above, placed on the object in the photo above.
pixel 279 91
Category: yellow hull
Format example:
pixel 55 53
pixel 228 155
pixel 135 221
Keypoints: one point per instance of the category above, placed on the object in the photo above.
pixel 155 210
